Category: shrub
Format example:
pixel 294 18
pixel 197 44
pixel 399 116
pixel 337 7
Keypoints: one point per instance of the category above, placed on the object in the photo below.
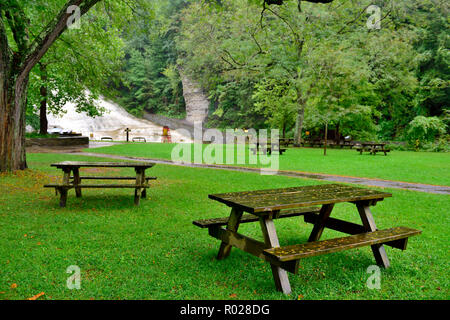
pixel 424 130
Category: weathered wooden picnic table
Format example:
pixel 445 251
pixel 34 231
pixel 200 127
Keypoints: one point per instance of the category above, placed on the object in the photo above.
pixel 74 182
pixel 372 147
pixel 267 148
pixel 267 205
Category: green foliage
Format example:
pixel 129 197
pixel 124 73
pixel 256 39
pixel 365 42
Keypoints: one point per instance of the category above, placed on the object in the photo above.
pixel 232 104
pixel 276 100
pixel 425 129
pixel 150 80
pixel 82 63
pixel 366 82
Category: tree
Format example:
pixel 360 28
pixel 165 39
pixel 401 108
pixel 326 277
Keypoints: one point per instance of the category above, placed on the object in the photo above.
pixel 21 48
pixel 277 101
pixel 17 58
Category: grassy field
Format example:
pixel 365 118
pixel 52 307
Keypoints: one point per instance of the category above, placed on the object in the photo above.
pixel 419 167
pixel 154 252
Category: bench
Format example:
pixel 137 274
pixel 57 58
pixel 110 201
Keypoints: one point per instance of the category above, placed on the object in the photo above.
pixel 139 139
pixel 310 249
pixel 64 187
pixel 217 222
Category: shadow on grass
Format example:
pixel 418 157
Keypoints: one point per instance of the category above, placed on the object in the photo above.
pixel 98 202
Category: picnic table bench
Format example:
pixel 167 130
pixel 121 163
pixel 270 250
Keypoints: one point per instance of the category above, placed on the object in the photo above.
pixel 266 206
pixel 75 181
pixel 267 149
pixel 372 147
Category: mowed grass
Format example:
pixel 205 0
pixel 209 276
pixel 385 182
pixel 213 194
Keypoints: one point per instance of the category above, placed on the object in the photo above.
pixel 415 167
pixel 155 252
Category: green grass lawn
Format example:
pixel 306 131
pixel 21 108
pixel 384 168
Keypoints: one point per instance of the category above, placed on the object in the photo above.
pixel 155 252
pixel 419 167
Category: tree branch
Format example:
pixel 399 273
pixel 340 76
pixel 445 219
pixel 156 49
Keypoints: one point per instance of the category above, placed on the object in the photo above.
pixel 49 34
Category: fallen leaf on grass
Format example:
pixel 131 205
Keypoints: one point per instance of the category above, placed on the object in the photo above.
pixel 36 296
pixel 14 285
pixel 234 295
pixel 300 297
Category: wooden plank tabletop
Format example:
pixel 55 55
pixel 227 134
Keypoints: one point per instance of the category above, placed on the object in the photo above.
pixel 103 164
pixel 277 199
pixel 373 143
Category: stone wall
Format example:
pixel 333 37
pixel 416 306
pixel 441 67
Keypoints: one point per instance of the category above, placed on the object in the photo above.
pixel 57 142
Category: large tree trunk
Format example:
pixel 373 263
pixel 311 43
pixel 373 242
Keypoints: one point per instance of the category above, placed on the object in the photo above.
pixel 12 126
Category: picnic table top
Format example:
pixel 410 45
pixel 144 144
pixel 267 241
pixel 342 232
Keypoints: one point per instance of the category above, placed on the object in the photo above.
pixel 66 164
pixel 277 199
pixel 373 143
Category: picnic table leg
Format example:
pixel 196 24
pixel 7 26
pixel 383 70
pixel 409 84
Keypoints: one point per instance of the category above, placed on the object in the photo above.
pixel 369 224
pixel 319 225
pixel 77 181
pixel 280 275
pixel 139 182
pixel 63 198
pixel 144 191
pixel 63 191
pixel 233 225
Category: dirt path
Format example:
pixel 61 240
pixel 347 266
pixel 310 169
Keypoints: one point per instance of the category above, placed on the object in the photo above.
pixel 428 188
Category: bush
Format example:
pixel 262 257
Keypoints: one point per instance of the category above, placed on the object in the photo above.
pixel 441 145
pixel 422 130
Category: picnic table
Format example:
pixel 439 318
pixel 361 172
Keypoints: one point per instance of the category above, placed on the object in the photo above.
pixel 286 141
pixel 372 147
pixel 75 182
pixel 269 148
pixel 267 205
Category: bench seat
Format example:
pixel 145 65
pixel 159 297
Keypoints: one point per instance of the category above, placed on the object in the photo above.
pixel 70 186
pixel 310 249
pixel 112 178
pixel 217 222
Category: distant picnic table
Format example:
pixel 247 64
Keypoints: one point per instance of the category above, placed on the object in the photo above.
pixel 75 182
pixel 372 147
pixel 267 205
pixel 267 149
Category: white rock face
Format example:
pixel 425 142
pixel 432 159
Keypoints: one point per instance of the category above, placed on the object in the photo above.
pixel 112 124
pixel 197 103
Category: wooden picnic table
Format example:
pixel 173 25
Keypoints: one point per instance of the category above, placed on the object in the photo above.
pixel 373 147
pixel 266 205
pixel 267 149
pixel 74 182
